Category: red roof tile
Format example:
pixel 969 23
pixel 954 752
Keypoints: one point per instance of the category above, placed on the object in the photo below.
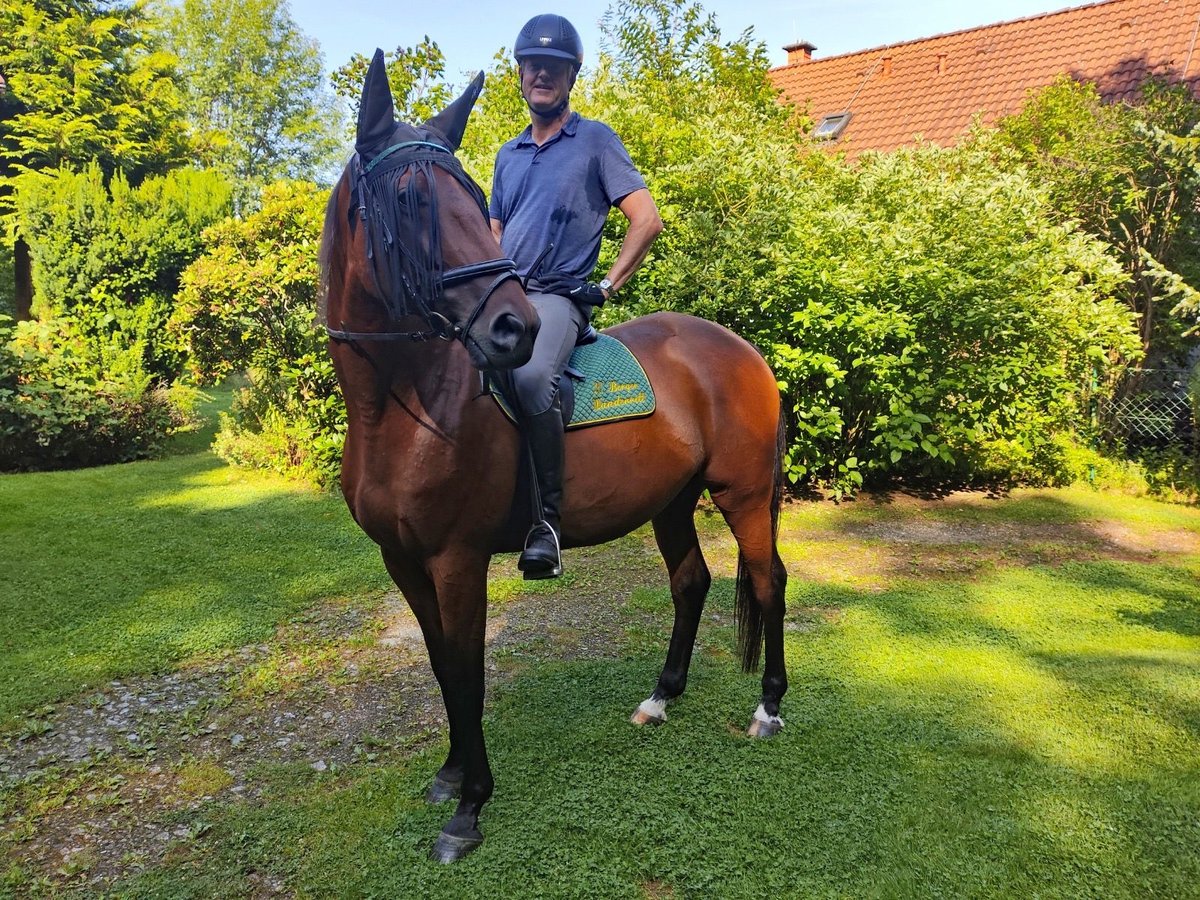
pixel 989 70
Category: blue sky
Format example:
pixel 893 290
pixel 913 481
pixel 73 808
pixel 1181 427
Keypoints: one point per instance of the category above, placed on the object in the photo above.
pixel 470 33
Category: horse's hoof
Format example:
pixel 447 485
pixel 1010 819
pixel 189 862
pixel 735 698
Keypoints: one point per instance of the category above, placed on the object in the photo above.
pixel 641 718
pixel 650 712
pixel 759 729
pixel 451 848
pixel 764 725
pixel 441 791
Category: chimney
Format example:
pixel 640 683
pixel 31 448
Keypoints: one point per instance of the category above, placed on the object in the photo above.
pixel 885 68
pixel 799 52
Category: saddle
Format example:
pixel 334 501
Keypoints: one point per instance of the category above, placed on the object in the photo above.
pixel 604 383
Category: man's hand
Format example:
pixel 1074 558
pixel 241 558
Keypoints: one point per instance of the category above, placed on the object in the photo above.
pixel 585 293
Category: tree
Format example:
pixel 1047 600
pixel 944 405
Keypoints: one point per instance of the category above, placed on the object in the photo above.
pixel 1130 174
pixel 81 83
pixel 110 255
pixel 415 74
pixel 253 90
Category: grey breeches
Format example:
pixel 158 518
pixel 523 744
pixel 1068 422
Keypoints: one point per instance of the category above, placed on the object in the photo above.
pixel 536 382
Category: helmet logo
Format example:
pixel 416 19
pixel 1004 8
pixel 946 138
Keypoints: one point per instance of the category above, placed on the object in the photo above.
pixel 545 40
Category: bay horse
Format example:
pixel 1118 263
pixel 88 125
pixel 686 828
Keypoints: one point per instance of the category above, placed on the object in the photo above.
pixel 417 302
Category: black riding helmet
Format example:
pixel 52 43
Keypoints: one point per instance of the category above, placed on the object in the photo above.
pixel 549 35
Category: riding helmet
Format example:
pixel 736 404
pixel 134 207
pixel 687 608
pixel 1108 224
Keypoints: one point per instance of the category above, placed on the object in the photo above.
pixel 549 35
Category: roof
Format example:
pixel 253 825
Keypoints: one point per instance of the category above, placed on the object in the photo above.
pixel 931 88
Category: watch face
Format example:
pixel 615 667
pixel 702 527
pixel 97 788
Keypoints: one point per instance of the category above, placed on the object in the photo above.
pixel 606 285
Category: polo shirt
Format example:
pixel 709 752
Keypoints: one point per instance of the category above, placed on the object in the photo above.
pixel 560 193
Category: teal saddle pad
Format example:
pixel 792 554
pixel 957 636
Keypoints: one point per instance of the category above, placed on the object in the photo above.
pixel 608 382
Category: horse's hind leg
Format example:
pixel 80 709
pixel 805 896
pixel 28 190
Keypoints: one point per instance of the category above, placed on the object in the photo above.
pixel 761 588
pixel 675 531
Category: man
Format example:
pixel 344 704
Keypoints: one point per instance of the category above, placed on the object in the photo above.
pixel 553 187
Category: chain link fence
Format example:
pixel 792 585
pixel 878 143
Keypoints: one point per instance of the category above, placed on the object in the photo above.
pixel 1151 409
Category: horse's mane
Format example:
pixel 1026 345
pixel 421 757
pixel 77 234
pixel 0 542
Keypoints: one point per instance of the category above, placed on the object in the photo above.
pixel 403 234
pixel 329 234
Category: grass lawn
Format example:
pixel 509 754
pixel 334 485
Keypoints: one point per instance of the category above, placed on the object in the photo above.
pixel 989 697
pixel 135 568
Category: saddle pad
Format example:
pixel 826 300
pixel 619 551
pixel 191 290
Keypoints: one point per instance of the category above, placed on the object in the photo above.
pixel 609 385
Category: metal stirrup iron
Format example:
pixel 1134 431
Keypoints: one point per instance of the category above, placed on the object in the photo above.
pixel 539 515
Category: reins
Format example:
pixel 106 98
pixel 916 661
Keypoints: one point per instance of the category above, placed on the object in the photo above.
pixel 404 155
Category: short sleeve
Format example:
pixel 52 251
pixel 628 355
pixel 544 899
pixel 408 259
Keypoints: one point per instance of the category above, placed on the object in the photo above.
pixel 618 175
pixel 496 202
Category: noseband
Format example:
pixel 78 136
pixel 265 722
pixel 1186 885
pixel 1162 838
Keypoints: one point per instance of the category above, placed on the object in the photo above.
pixel 407 293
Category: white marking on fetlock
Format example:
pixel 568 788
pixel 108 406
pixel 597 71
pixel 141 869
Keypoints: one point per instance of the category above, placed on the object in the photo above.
pixel 760 715
pixel 654 709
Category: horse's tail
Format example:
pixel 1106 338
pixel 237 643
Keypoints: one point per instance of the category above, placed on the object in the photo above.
pixel 749 612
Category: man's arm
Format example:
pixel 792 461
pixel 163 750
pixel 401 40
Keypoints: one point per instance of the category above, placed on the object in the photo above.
pixel 497 229
pixel 644 226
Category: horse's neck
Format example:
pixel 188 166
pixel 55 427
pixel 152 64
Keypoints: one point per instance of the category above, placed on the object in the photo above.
pixel 423 393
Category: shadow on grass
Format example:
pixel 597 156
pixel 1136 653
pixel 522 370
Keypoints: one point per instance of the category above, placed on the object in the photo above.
pixel 1174 590
pixel 1178 615
pixel 1018 748
pixel 871 790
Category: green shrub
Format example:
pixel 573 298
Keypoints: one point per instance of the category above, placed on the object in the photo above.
pixel 110 255
pixel 1171 472
pixel 249 304
pixel 66 402
pixel 925 314
pixel 292 422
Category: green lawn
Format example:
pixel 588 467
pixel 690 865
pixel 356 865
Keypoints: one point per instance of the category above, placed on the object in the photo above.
pixel 989 698
pixel 133 568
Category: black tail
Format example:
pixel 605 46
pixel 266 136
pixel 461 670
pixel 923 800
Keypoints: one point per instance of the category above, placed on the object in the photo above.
pixel 749 613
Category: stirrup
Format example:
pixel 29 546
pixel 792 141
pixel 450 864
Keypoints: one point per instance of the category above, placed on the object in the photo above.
pixel 539 567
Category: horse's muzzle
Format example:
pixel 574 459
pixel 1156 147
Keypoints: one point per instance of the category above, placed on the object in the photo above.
pixel 509 342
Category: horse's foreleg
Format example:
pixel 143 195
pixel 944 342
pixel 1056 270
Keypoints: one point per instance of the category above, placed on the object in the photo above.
pixel 461 582
pixel 419 592
pixel 675 531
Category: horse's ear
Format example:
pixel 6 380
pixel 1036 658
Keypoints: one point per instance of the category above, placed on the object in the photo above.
pixel 451 122
pixel 376 111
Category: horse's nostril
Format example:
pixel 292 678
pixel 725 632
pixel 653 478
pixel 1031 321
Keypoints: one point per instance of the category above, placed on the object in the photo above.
pixel 507 331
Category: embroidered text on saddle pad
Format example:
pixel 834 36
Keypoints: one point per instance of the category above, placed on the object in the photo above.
pixel 609 384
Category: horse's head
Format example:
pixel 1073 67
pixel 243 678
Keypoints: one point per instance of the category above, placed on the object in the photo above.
pixel 407 239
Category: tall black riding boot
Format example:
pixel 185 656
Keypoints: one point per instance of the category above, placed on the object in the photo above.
pixel 542 557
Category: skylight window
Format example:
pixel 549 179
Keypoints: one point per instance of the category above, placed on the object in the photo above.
pixel 831 126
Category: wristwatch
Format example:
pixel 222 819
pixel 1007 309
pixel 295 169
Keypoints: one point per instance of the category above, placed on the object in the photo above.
pixel 607 286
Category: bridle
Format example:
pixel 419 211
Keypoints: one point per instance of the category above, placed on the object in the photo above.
pixel 371 213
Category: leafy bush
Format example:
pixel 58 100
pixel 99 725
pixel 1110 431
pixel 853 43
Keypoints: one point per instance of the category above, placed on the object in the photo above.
pixel 249 304
pixel 67 402
pixel 111 255
pixel 941 324
pixel 925 312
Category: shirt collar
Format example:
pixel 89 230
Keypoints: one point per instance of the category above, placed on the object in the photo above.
pixel 569 128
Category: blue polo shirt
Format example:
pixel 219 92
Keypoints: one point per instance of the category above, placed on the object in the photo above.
pixel 560 193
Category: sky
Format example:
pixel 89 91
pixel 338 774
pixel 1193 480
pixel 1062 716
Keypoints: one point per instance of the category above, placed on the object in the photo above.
pixel 469 34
